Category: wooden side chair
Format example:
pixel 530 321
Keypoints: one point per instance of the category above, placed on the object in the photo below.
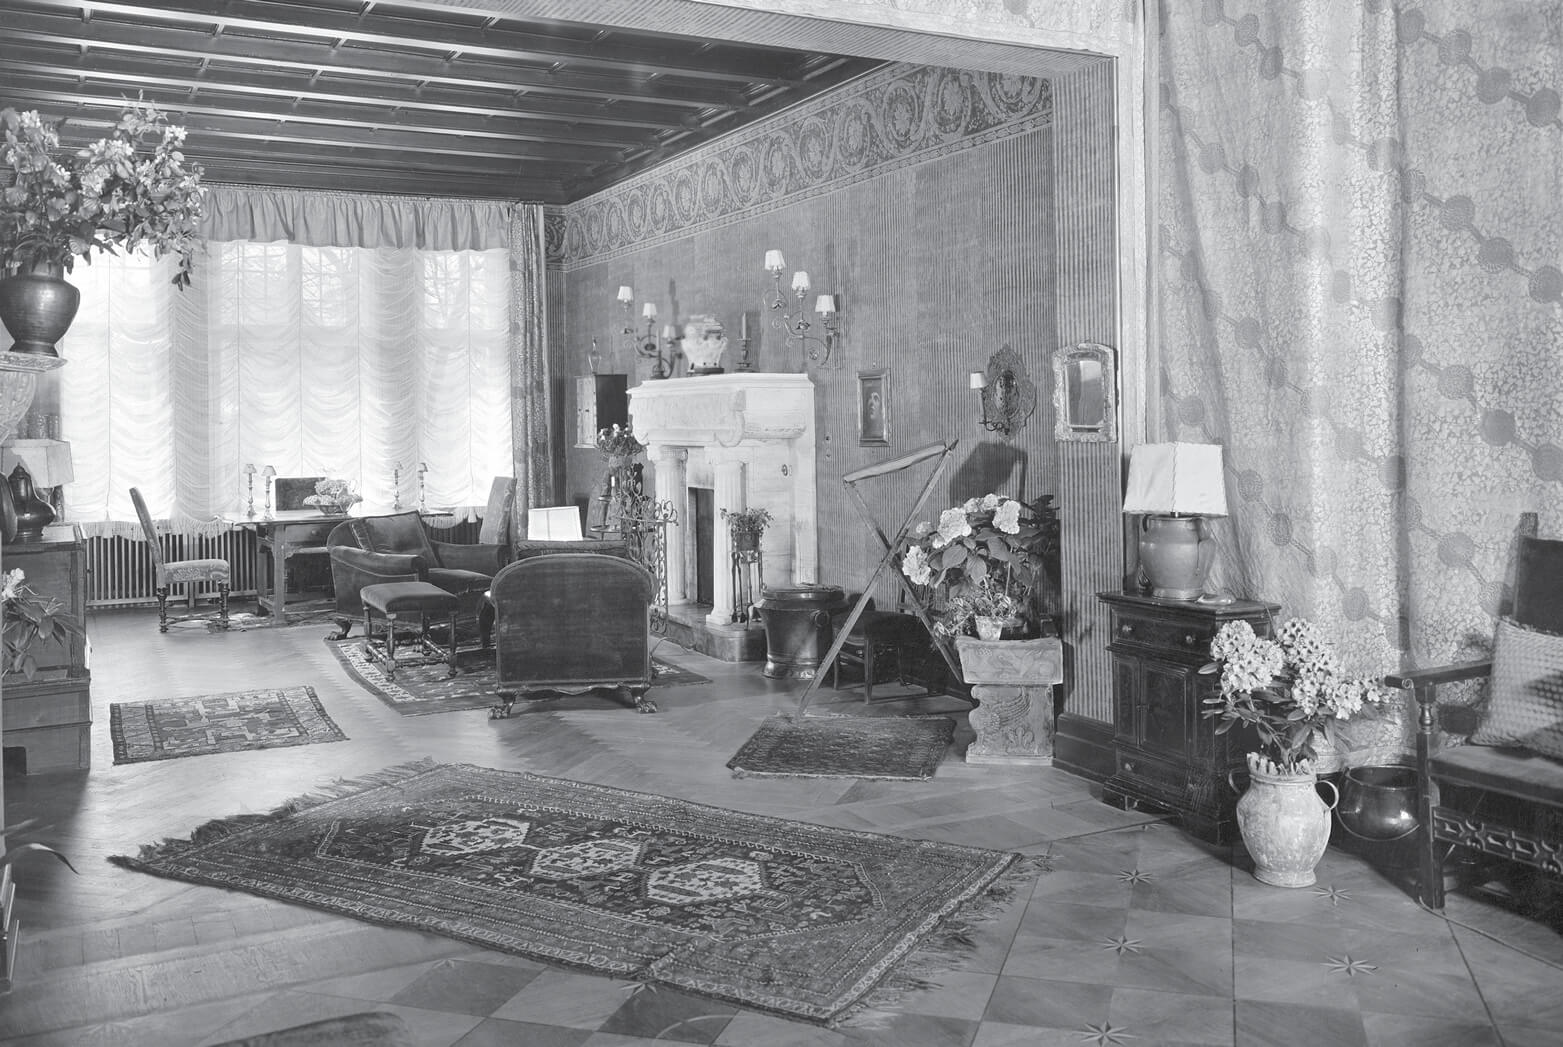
pixel 181 572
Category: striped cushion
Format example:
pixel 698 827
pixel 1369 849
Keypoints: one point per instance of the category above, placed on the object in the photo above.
pixel 1525 708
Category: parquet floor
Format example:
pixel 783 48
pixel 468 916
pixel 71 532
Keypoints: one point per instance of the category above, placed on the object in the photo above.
pixel 1139 936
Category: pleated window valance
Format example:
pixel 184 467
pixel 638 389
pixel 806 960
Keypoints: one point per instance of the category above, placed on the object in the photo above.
pixel 324 219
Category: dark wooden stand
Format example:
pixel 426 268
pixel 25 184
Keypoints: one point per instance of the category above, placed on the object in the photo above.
pixel 48 719
pixel 1168 756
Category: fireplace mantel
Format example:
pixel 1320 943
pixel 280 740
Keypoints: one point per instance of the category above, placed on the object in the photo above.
pixel 749 436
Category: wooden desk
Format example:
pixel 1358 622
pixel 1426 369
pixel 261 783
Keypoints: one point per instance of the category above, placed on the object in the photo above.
pixel 286 532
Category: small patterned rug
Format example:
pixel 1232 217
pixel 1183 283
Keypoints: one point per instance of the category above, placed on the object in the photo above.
pixel 801 920
pixel 219 723
pixel 422 689
pixel 844 747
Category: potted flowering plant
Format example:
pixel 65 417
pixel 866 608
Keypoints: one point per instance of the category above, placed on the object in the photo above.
pixel 747 525
pixel 335 497
pixel 983 560
pixel 130 189
pixel 1291 691
pixel 618 443
pixel 31 620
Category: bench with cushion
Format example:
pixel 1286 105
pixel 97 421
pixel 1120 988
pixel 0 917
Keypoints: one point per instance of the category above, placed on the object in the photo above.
pixel 1502 793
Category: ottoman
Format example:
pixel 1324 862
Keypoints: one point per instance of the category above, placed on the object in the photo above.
pixel 392 601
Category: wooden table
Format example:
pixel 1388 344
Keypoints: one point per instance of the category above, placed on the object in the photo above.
pixel 284 533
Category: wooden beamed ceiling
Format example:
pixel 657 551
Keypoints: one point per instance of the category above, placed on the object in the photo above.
pixel 402 97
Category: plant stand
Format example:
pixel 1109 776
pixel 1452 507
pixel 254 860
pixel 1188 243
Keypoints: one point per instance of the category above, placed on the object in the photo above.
pixel 1012 683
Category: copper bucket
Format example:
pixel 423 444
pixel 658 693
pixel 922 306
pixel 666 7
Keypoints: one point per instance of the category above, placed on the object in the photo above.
pixel 1378 803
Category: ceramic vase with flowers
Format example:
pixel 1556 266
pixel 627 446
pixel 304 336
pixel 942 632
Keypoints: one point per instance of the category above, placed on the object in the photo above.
pixel 1291 691
pixel 131 189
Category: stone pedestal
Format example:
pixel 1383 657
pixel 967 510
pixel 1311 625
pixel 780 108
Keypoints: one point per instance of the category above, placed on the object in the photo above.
pixel 1012 682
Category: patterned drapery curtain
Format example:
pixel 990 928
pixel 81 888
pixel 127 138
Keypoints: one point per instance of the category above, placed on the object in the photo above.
pixel 1360 223
pixel 352 362
pixel 533 378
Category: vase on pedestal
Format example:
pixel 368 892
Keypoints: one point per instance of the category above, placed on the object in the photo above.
pixel 37 308
pixel 1012 683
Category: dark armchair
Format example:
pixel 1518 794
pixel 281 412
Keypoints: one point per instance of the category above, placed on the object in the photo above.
pixel 368 550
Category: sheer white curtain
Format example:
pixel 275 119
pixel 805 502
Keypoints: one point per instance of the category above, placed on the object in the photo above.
pixel 317 361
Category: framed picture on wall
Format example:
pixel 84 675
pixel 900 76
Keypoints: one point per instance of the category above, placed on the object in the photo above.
pixel 873 408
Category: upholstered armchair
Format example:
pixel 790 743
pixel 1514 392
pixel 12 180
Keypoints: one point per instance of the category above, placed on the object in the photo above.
pixel 368 550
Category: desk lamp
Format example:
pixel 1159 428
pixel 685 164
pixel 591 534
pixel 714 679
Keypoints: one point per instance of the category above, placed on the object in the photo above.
pixel 1177 486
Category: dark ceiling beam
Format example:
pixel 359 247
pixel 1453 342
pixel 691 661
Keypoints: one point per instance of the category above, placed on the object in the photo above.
pixel 346 120
pixel 428 33
pixel 83 39
pixel 397 98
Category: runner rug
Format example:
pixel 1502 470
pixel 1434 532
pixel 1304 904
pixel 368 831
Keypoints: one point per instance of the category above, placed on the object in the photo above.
pixel 844 747
pixel 421 689
pixel 219 723
pixel 800 920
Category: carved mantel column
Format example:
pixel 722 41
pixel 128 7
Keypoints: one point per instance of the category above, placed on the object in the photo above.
pixel 670 464
pixel 728 468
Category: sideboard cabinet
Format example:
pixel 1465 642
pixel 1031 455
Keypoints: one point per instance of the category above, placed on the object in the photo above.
pixel 1168 756
pixel 47 721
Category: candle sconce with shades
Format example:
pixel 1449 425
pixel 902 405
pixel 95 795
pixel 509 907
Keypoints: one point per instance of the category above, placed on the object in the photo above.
pixel 1178 487
pixel 792 318
pixel 647 344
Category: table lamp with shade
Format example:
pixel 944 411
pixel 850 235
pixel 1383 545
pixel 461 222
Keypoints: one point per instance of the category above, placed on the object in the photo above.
pixel 35 469
pixel 1178 486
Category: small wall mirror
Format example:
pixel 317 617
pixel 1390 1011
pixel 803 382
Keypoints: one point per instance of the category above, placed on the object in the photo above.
pixel 1085 393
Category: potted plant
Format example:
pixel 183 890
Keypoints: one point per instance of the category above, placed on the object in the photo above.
pixel 130 189
pixel 30 621
pixel 982 560
pixel 333 497
pixel 1291 691
pixel 746 526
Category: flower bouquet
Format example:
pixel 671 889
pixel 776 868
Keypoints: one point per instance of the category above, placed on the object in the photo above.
pixel 132 188
pixel 1291 690
pixel 983 560
pixel 335 497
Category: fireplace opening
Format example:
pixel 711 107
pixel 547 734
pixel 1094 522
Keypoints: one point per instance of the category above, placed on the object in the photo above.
pixel 703 512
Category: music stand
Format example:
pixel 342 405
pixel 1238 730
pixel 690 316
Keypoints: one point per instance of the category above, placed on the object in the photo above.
pixel 891 545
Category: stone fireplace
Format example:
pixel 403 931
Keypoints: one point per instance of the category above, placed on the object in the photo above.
pixel 749 438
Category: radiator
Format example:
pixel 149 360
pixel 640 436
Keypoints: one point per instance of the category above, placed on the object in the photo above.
pixel 120 573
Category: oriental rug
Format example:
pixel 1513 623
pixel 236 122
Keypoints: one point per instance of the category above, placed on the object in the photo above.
pixel 844 747
pixel 422 689
pixel 219 723
pixel 801 920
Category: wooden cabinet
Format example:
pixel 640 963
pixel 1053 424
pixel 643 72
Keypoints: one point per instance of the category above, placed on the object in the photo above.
pixel 601 401
pixel 1167 755
pixel 48 720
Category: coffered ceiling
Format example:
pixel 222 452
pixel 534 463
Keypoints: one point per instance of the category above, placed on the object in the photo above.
pixel 398 97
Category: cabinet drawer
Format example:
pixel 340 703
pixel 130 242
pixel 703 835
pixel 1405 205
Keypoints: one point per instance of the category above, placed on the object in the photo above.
pixel 1192 637
pixel 50 707
pixel 1166 778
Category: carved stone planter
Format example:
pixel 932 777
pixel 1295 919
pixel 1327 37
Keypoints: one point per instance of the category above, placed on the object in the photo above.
pixel 1012 682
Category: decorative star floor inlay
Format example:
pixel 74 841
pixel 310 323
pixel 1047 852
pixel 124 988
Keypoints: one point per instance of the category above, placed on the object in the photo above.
pixel 1334 895
pixel 1103 1034
pixel 1121 944
pixel 1134 876
pixel 1349 967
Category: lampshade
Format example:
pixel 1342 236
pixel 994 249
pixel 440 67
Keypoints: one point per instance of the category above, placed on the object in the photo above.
pixel 1179 478
pixel 47 461
pixel 554 523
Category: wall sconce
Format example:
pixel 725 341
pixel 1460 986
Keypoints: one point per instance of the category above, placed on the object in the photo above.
pixel 647 345
pixel 1008 394
pixel 797 326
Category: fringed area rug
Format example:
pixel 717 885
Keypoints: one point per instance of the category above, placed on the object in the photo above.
pixel 845 747
pixel 219 723
pixel 795 919
pixel 421 689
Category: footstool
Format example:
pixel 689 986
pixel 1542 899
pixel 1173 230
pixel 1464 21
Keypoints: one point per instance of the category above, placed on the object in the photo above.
pixel 390 601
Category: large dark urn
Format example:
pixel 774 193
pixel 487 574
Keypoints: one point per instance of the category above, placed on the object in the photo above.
pixel 37 308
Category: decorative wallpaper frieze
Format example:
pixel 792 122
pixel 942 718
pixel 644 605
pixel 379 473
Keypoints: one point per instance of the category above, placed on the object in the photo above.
pixel 894 117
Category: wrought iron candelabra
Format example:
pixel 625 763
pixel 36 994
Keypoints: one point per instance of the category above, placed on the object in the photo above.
pixel 796 325
pixel 646 345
